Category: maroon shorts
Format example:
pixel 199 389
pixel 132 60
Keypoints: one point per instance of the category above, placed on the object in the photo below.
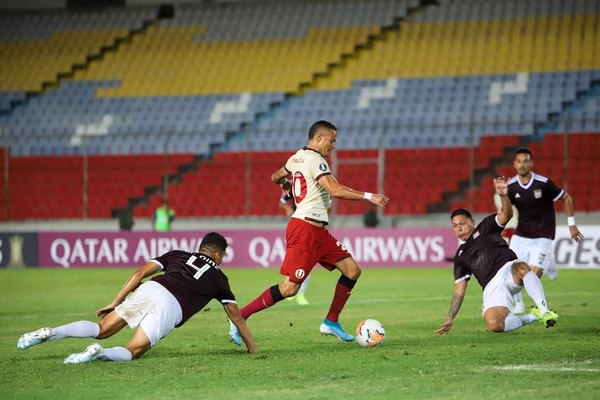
pixel 508 233
pixel 308 245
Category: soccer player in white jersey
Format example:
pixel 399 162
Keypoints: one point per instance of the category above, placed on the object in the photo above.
pixel 155 307
pixel 308 242
pixel 533 196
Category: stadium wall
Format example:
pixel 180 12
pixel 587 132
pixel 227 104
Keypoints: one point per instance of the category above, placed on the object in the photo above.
pixel 262 248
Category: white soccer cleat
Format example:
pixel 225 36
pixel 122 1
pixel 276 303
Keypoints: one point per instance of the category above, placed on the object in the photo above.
pixel 36 337
pixel 91 353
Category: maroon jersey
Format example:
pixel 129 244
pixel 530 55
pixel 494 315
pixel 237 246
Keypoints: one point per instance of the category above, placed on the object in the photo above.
pixel 535 203
pixel 483 254
pixel 194 279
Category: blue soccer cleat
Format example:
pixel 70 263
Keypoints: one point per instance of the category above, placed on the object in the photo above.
pixel 234 334
pixel 335 329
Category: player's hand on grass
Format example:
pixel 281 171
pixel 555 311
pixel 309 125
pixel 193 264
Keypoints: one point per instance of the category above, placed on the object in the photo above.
pixel 444 328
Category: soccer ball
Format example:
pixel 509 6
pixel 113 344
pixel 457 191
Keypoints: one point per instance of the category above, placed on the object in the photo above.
pixel 370 333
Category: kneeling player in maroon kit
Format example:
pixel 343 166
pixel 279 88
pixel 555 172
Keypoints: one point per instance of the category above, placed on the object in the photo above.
pixel 155 307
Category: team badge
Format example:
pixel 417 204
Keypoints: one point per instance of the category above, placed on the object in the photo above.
pixel 299 273
pixel 537 193
pixel 323 167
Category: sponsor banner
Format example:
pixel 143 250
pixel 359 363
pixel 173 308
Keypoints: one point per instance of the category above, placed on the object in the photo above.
pixel 420 247
pixel 585 254
pixel 18 249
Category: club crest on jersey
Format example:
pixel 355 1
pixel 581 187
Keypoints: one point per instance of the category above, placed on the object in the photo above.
pixel 299 273
pixel 323 167
pixel 537 193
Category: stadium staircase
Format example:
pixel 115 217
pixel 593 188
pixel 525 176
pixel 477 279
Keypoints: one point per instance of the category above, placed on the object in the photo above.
pixel 152 193
pixel 76 67
pixel 482 176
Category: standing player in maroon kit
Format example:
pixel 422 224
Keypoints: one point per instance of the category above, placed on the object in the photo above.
pixel 308 242
pixel 155 307
pixel 534 195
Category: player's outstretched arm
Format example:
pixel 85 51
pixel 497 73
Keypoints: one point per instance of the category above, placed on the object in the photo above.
pixel 570 211
pixel 457 298
pixel 506 210
pixel 132 283
pixel 339 191
pixel 233 312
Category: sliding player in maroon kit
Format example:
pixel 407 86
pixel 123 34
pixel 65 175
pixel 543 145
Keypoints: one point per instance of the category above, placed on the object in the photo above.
pixel 485 255
pixel 308 242
pixel 155 307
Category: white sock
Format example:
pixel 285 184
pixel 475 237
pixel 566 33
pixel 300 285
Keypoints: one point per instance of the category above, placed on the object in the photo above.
pixel 527 318
pixel 115 354
pixel 77 329
pixel 535 290
pixel 512 322
pixel 518 297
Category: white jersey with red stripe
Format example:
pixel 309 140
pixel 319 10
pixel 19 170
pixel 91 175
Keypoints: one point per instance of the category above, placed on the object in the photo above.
pixel 312 200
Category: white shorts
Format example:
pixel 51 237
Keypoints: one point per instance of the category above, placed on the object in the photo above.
pixel 535 252
pixel 501 289
pixel 152 307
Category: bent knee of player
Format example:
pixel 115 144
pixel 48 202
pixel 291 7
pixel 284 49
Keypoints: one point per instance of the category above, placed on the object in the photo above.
pixel 522 268
pixel 495 325
pixel 494 319
pixel 349 268
pixel 289 288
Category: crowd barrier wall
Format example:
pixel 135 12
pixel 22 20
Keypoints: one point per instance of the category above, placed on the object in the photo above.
pixel 262 248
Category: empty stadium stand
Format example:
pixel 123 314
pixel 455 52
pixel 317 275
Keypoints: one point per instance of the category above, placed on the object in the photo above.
pixel 97 101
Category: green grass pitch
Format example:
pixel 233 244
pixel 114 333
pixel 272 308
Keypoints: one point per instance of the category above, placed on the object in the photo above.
pixel 294 360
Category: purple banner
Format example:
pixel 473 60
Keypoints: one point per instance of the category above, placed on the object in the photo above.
pixel 420 247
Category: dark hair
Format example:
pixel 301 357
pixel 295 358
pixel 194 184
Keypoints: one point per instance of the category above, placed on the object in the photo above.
pixel 461 211
pixel 214 241
pixel 319 125
pixel 523 150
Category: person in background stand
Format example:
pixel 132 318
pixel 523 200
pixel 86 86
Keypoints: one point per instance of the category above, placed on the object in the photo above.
pixel 163 217
pixel 126 218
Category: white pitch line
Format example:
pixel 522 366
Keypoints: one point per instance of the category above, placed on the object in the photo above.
pixel 542 368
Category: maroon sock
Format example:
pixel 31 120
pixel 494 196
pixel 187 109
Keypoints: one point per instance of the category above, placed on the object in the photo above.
pixel 267 298
pixel 340 297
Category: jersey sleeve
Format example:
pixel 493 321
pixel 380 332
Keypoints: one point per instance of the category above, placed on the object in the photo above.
pixel 225 295
pixel 490 225
pixel 318 167
pixel 461 273
pixel 163 260
pixel 554 191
